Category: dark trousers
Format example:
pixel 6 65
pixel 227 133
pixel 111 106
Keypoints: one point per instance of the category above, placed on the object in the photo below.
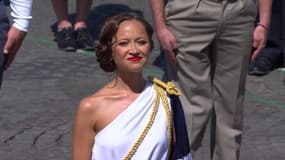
pixel 4 26
pixel 283 25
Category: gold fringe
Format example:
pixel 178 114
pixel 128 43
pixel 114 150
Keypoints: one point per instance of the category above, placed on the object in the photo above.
pixel 159 87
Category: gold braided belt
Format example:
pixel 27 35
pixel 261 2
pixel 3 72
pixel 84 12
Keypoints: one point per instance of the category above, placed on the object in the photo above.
pixel 160 88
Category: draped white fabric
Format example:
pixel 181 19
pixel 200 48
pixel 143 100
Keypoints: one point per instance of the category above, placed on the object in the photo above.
pixel 116 139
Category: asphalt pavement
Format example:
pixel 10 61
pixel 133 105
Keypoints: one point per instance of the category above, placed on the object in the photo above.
pixel 42 88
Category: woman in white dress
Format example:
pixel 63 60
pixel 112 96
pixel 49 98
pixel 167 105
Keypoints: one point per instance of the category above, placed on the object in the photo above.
pixel 130 117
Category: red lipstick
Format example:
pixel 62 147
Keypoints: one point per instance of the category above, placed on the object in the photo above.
pixel 135 59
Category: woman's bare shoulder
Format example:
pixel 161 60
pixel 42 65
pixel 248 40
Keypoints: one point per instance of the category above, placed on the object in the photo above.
pixel 91 102
pixel 96 100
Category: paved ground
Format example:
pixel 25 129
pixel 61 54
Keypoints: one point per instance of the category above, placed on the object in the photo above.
pixel 43 87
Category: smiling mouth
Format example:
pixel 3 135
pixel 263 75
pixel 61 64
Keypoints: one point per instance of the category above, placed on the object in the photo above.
pixel 135 59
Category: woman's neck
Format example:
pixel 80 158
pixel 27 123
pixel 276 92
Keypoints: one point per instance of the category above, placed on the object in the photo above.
pixel 129 82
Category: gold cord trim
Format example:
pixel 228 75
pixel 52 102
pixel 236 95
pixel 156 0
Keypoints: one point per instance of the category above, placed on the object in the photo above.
pixel 159 94
pixel 169 86
pixel 168 117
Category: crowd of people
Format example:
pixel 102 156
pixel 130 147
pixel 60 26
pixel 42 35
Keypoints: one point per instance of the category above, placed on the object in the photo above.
pixel 210 44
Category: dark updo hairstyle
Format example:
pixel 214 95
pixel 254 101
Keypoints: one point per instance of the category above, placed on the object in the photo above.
pixel 103 46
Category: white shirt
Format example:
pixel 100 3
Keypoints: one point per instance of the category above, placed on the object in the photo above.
pixel 21 12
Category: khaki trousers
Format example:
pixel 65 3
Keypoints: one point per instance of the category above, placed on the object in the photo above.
pixel 214 42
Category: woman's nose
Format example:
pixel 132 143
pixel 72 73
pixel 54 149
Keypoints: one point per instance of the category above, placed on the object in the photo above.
pixel 133 48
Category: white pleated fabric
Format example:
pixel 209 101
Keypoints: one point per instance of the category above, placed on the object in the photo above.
pixel 116 139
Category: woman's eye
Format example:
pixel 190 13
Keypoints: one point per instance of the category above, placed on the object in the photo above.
pixel 123 43
pixel 142 42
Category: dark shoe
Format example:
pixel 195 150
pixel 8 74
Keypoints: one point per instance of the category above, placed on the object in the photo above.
pixel 84 40
pixel 65 39
pixel 260 67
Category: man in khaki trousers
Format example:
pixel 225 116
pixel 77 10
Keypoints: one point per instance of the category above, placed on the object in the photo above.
pixel 210 42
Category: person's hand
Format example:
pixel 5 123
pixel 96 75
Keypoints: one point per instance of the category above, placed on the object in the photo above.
pixel 14 41
pixel 168 43
pixel 259 40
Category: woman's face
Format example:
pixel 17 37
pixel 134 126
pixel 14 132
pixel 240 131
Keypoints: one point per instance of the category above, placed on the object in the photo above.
pixel 131 47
